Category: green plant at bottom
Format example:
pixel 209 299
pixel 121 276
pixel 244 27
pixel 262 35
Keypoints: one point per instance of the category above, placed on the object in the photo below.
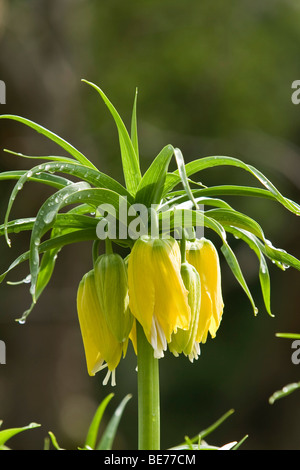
pixel 106 439
pixel 166 293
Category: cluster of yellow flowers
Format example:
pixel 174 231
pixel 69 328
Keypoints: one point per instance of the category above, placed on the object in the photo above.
pixel 176 301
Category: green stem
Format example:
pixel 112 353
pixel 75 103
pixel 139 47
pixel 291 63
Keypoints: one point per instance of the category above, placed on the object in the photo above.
pixel 148 394
pixel 108 247
pixel 95 252
pixel 183 247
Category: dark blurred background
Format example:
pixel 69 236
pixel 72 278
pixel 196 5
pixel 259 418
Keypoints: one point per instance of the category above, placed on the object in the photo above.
pixel 214 78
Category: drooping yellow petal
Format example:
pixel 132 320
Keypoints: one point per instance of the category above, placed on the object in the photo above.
pixel 93 356
pixel 171 296
pixel 141 284
pixel 100 345
pixel 203 255
pixel 184 341
pixel 112 288
pixel 157 295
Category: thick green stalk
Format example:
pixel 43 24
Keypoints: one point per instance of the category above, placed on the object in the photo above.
pixel 148 394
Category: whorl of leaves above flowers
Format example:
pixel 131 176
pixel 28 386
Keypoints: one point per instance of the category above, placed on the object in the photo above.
pixel 168 191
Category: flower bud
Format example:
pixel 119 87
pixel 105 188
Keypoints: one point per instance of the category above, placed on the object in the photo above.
pixel 203 255
pixel 158 298
pixel 100 345
pixel 184 341
pixel 112 289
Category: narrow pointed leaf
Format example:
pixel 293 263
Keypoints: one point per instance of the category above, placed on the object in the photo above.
pixel 44 218
pixel 264 276
pixel 107 439
pixel 93 177
pixel 208 162
pixel 54 441
pixel 230 217
pixel 40 157
pixel 287 390
pixel 44 276
pixel 280 257
pixel 50 135
pixel 183 176
pixel 44 178
pixel 92 435
pixel 224 190
pixel 130 162
pixel 237 272
pixel 7 434
pixel 134 131
pixel 58 242
pixel 151 186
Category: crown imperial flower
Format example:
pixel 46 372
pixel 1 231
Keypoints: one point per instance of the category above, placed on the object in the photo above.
pixel 203 255
pixel 184 341
pixel 101 347
pixel 158 298
pixel 112 288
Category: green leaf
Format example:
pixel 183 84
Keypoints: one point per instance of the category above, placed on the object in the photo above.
pixel 287 390
pixel 69 221
pixel 130 162
pixel 89 175
pixel 280 257
pixel 201 435
pixel 45 217
pixel 54 441
pixel 76 236
pixel 50 135
pixel 223 190
pixel 7 434
pixel 151 186
pixel 44 178
pixel 264 276
pixel 183 176
pixel 187 218
pixel 92 434
pixel 236 270
pixel 134 131
pixel 107 439
pixel 93 177
pixel 185 203
pixel 288 335
pixel 44 276
pixel 72 194
pixel 40 157
pixel 230 217
pixel 208 162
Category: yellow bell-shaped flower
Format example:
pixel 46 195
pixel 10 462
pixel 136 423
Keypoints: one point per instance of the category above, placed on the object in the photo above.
pixel 112 289
pixel 203 255
pixel 158 298
pixel 101 347
pixel 184 341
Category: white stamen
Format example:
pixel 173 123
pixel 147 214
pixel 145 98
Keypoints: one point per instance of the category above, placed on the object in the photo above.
pixel 113 378
pixel 110 373
pixel 195 352
pixel 158 339
pixel 106 378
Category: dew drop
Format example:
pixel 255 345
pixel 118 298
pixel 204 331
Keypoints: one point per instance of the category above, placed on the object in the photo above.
pixel 48 218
